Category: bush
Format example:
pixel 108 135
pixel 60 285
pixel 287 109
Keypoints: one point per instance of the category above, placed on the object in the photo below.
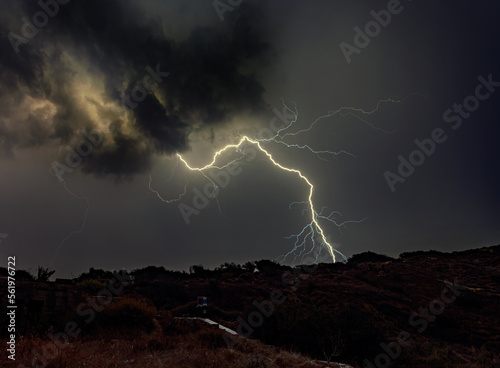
pixel 92 286
pixel 369 257
pixel 257 362
pixel 212 338
pixel 124 317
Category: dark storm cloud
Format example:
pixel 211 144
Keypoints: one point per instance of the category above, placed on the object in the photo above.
pixel 210 78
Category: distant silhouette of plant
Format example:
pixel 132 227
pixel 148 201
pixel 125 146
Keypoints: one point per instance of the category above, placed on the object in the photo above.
pixel 44 274
pixel 92 286
pixel 197 270
pixel 96 274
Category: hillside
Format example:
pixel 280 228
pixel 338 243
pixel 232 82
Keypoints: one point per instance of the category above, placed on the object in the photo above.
pixel 424 309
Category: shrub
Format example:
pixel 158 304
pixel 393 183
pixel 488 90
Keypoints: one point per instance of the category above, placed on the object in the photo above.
pixel 369 257
pixel 256 362
pixel 212 338
pixel 92 286
pixel 124 317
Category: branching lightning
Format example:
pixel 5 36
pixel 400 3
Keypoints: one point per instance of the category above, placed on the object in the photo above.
pixel 167 200
pixel 314 226
pixel 312 233
pixel 82 227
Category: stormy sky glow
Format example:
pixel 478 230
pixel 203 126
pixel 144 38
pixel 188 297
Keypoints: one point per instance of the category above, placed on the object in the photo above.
pixel 388 108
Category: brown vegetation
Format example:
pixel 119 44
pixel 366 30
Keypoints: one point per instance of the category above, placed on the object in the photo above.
pixel 184 344
pixel 337 312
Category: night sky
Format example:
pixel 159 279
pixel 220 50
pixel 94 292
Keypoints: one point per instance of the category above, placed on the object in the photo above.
pixel 130 84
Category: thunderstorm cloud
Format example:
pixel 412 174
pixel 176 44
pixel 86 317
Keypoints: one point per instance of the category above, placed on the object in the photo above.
pixel 121 70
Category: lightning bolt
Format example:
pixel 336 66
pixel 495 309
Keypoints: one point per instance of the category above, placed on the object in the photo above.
pixel 312 232
pixel 179 197
pixel 355 112
pixel 344 111
pixel 163 199
pixel 313 227
pixel 84 222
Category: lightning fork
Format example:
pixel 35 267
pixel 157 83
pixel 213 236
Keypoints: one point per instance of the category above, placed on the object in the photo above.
pixel 313 229
pixel 313 225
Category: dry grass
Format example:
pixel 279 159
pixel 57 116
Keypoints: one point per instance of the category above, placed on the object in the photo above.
pixel 348 309
pixel 202 348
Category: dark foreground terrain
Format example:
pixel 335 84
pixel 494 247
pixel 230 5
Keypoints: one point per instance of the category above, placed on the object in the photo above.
pixel 425 309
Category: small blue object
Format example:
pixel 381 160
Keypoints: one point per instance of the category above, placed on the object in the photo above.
pixel 202 301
